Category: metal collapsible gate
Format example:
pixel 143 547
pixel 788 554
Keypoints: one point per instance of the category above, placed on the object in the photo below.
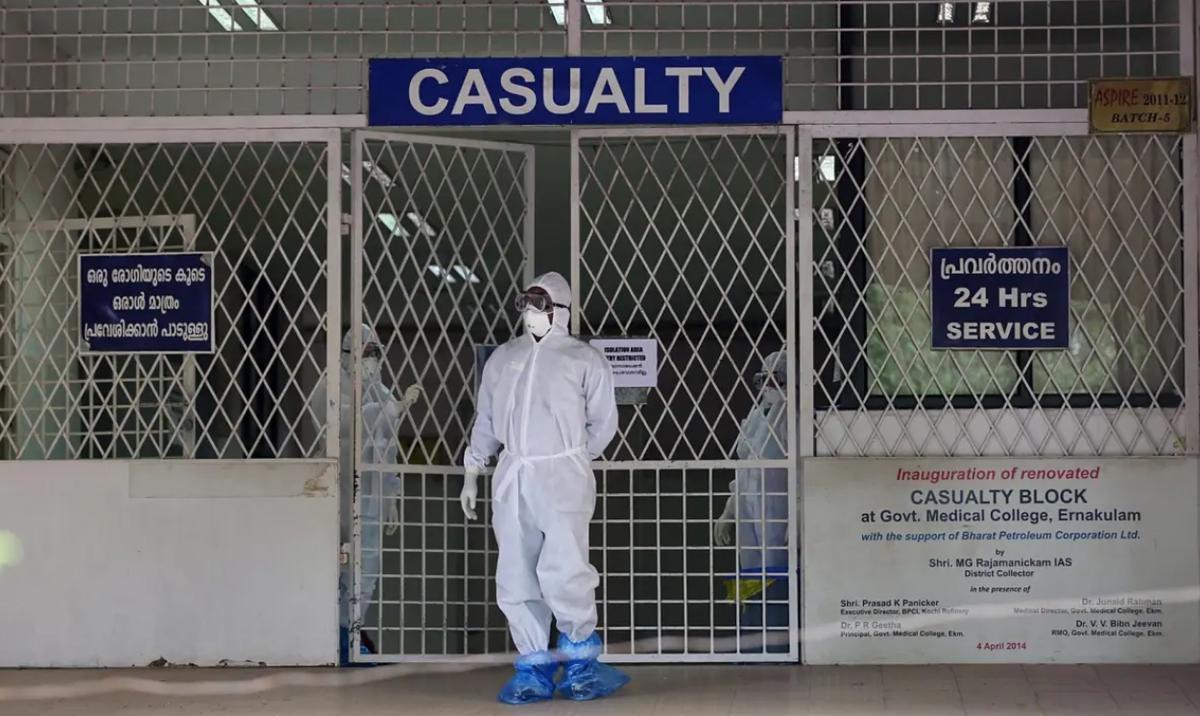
pixel 147 130
pixel 259 201
pixel 682 236
pixel 685 236
pixel 726 245
pixel 884 195
pixel 442 233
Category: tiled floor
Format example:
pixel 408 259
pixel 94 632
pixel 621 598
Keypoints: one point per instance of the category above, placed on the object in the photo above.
pixel 687 690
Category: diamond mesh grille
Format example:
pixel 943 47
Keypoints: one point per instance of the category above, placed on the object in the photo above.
pixel 260 207
pixel 682 238
pixel 895 54
pixel 444 249
pixel 445 231
pixel 146 57
pixel 880 205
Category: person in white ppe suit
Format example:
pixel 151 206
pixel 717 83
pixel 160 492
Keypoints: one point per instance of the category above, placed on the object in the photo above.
pixel 547 405
pixel 381 413
pixel 757 509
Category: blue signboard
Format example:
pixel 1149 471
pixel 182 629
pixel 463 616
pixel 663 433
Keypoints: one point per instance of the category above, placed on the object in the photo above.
pixel 146 303
pixel 576 91
pixel 1010 298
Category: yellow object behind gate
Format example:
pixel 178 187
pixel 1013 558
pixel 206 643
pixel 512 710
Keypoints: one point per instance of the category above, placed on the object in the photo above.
pixel 739 590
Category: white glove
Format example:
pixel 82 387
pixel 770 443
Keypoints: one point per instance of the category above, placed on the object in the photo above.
pixel 470 493
pixel 397 405
pixel 393 517
pixel 411 395
pixel 723 533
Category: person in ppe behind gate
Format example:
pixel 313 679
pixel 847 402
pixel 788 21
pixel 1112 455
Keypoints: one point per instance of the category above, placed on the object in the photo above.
pixel 381 414
pixel 546 403
pixel 757 509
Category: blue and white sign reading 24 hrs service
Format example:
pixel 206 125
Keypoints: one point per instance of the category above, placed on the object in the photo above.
pixel 1004 298
pixel 575 91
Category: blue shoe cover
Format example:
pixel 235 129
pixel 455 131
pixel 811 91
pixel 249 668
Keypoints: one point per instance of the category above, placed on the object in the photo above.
pixel 344 649
pixel 534 680
pixel 586 678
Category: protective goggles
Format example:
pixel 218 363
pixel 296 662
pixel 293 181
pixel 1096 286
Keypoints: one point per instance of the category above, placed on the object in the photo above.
pixel 536 302
pixel 760 379
pixel 371 350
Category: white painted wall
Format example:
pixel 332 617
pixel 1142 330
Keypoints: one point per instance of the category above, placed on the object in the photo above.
pixel 196 563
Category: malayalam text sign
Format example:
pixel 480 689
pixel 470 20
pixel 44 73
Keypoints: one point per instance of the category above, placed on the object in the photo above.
pixel 1003 298
pixel 575 91
pixel 912 561
pixel 634 361
pixel 1140 105
pixel 146 303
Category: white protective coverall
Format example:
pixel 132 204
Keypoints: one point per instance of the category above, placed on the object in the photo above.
pixel 551 406
pixel 381 413
pixel 759 494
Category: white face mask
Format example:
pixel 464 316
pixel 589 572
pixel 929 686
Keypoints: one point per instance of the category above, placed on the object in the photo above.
pixel 537 323
pixel 371 369
pixel 771 395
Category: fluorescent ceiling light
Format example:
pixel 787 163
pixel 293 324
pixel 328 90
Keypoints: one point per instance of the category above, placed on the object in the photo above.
pixel 447 275
pixel 825 216
pixel 376 173
pixel 829 168
pixel 422 225
pixel 558 8
pixel 392 224
pixel 221 15
pixel 466 274
pixel 599 16
pixel 442 274
pixel 945 14
pixel 258 15
pixel 595 11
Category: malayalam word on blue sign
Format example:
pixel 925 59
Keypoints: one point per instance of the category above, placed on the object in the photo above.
pixel 146 303
pixel 1005 298
pixel 575 91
